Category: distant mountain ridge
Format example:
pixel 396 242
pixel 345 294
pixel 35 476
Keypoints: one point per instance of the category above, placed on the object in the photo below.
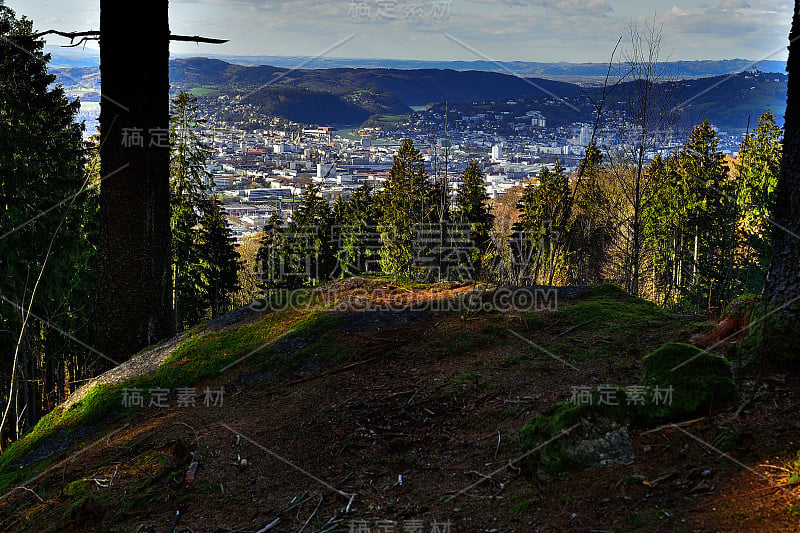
pixel 681 69
pixel 412 87
pixel 67 58
pixel 352 95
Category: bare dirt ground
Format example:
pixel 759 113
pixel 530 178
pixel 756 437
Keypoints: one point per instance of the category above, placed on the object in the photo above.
pixel 416 430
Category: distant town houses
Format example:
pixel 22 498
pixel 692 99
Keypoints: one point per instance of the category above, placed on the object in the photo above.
pixel 261 165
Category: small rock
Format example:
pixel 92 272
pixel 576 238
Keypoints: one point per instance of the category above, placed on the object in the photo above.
pixel 191 473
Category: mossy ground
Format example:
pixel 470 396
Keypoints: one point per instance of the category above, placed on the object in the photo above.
pixel 695 380
pixel 679 380
pixel 198 358
pixel 439 400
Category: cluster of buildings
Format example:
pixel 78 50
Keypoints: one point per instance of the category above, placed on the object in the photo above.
pixel 261 166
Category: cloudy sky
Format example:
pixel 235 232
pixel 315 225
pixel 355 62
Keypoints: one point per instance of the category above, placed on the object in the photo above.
pixel 505 30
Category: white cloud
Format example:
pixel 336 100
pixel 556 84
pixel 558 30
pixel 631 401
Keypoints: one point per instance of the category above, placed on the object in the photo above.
pixel 532 30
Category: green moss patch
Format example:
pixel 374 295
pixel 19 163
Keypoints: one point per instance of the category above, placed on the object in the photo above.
pixel 590 430
pixel 196 359
pixel 609 308
pixel 691 382
pixel 587 431
pixel 205 356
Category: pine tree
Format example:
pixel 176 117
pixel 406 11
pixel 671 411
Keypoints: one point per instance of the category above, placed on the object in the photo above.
pixel 48 230
pixel 472 208
pixel 406 202
pixel 220 260
pixel 302 254
pixel 591 227
pixel 708 194
pixel 356 234
pixel 664 222
pixel 188 198
pixel 556 196
pixel 758 169
pixel 269 256
pixel 204 259
pixel 543 223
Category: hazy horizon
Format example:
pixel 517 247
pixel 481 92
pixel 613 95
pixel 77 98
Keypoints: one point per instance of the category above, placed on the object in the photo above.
pixel 69 57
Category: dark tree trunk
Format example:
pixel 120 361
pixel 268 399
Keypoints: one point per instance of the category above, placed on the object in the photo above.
pixel 782 290
pixel 134 278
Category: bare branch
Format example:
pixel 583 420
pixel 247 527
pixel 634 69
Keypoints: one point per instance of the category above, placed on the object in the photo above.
pixel 71 35
pixel 197 39
pixel 95 35
pixel 82 41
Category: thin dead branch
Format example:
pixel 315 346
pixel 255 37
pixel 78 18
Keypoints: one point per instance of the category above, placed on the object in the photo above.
pixel 85 36
pixel 573 328
pixel 312 515
pixel 29 490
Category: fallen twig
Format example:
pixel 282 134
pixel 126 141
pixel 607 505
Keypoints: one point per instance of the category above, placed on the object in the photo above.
pixel 677 424
pixel 105 483
pixel 573 328
pixel 269 526
pixel 484 476
pixel 196 437
pixel 312 514
pixel 29 490
pixel 410 400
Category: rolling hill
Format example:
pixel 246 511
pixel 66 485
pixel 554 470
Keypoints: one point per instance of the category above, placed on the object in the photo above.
pixel 411 87
pixel 381 403
pixel 352 95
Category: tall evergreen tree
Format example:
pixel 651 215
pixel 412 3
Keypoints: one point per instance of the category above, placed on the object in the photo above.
pixel 407 201
pixel 204 259
pixel 269 257
pixel 591 227
pixel 356 234
pixel 709 195
pixel 48 226
pixel 543 223
pixel 302 253
pixel 220 260
pixel 472 208
pixel 188 199
pixel 758 169
pixel 664 223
